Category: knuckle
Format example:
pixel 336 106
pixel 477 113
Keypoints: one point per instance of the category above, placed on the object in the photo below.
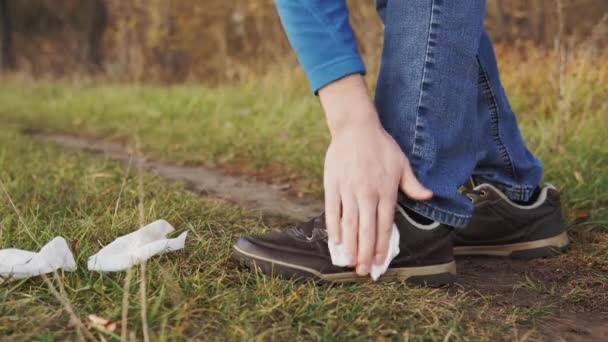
pixel 391 186
pixel 381 252
pixel 332 228
pixel 364 259
pixel 367 248
pixel 382 242
pixel 386 190
pixel 349 221
pixel 384 229
pixel 366 190
pixel 368 231
pixel 387 205
pixel 331 212
pixel 368 194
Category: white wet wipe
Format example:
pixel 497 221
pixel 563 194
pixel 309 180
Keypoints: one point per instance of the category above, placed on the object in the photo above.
pixel 19 264
pixel 136 247
pixel 340 258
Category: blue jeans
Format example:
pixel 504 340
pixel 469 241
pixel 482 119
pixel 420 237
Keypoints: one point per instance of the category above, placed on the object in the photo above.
pixel 439 95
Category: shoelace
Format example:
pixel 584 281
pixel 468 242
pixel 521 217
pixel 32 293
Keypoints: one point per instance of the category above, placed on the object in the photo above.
pixel 309 228
pixel 475 195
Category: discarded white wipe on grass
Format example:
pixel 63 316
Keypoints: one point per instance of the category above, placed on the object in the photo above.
pixel 19 264
pixel 340 258
pixel 136 247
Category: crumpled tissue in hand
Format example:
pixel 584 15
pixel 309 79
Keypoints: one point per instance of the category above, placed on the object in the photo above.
pixel 136 247
pixel 19 264
pixel 340 258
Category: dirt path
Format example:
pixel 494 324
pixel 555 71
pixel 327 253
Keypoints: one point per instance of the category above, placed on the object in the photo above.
pixel 251 195
pixel 532 285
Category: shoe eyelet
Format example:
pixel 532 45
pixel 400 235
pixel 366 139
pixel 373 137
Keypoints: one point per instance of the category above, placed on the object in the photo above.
pixel 483 193
pixel 309 238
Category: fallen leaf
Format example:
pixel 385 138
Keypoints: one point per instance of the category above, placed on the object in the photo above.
pixel 579 216
pixel 579 177
pixel 102 323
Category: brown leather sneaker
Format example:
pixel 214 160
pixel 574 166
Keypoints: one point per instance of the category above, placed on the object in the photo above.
pixel 500 227
pixel 301 252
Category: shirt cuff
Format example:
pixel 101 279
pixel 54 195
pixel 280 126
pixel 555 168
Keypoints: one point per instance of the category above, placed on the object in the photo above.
pixel 334 70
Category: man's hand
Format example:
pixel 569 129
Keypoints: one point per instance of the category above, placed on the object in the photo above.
pixel 364 169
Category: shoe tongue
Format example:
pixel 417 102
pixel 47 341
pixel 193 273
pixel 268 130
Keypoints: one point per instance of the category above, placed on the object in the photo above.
pixel 474 194
pixel 307 228
pixel 470 184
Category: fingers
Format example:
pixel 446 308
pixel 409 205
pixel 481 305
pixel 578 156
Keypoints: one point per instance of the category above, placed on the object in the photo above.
pixel 350 226
pixel 411 186
pixel 386 217
pixel 332 212
pixel 367 233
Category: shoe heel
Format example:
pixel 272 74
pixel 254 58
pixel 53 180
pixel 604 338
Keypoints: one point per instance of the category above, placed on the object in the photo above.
pixel 552 247
pixel 541 252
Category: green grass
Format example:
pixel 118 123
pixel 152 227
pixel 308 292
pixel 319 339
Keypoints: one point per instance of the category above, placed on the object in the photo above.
pixel 197 292
pixel 243 126
pixel 274 128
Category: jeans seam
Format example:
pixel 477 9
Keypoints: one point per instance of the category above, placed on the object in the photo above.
pixel 416 149
pixel 494 118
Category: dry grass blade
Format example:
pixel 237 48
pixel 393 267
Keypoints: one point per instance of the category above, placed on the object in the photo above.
pixel 27 229
pixel 124 320
pixel 122 188
pixel 63 300
pixel 142 219
pixel 81 329
pixel 562 103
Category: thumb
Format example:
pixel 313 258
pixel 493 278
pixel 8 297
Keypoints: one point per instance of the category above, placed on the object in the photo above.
pixel 411 186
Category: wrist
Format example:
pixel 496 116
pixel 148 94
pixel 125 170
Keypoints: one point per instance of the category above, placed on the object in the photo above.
pixel 353 121
pixel 347 105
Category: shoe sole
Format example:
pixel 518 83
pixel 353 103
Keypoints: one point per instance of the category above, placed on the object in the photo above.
pixel 522 250
pixel 434 275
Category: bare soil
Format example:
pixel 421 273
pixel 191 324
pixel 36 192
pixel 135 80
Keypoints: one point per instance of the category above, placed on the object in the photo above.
pixel 542 284
pixel 574 288
pixel 249 194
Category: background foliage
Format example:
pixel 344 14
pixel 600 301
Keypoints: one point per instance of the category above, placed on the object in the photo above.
pixel 229 40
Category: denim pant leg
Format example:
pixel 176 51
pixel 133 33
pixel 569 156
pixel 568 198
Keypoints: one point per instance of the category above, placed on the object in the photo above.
pixel 503 159
pixel 427 93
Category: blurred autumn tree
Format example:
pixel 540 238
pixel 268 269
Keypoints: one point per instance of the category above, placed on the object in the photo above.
pixel 219 40
pixel 7 57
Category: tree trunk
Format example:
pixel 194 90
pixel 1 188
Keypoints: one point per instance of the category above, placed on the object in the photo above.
pixel 7 57
pixel 498 14
pixel 98 15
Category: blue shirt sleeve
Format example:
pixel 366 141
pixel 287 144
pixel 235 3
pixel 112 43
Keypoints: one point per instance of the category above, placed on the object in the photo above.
pixel 321 35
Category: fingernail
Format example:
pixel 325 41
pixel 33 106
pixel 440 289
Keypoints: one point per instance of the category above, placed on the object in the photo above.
pixel 362 270
pixel 351 261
